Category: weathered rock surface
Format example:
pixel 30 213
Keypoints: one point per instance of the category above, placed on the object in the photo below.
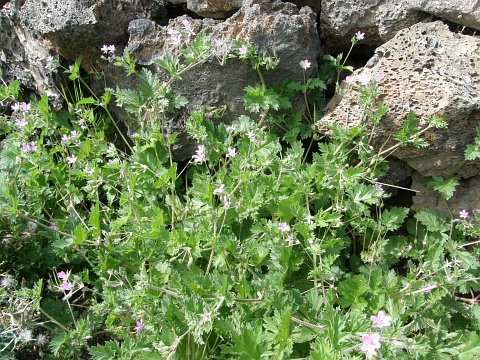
pixel 379 19
pixel 217 9
pixel 80 27
pixel 428 70
pixel 273 26
pixel 24 57
pixel 313 4
pixel 382 19
pixel 465 197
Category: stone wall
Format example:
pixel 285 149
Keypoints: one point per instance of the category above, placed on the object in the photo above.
pixel 428 51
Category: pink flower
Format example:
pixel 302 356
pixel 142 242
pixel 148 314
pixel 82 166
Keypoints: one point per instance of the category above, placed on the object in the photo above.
pixel 65 138
pixel 283 227
pixel 364 79
pixel 175 36
pixel 349 79
pixel 379 76
pixel 463 214
pixel 140 326
pixel 370 344
pixel 28 147
pixel 199 156
pixel 62 275
pixel 218 42
pixel 360 35
pixel 54 227
pixel 381 321
pixel 24 106
pixel 243 50
pixel 25 148
pixel 71 159
pixel 187 25
pixel 21 123
pixel 305 64
pixel 66 286
pixel 219 190
pixel 232 152
pixel 378 187
pixel 230 128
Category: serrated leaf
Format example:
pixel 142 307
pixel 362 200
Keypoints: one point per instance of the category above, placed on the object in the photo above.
pixel 472 152
pixel 471 350
pixel 446 187
pixel 94 220
pixel 432 221
pixel 393 218
pixel 105 352
pixel 351 291
pixel 79 235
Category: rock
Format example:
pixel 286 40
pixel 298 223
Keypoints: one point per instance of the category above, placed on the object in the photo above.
pixel 465 197
pixel 272 26
pixel 428 70
pixel 382 19
pixel 466 13
pixel 217 9
pixel 77 27
pixel 313 4
pixel 24 57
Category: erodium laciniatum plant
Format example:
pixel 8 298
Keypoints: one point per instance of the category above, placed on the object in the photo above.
pixel 276 240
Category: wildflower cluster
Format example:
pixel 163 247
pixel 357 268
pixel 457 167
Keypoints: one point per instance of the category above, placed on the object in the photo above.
pixel 274 239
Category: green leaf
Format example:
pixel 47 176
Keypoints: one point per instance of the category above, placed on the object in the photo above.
pixel 471 350
pixel 437 122
pixel 43 108
pixel 446 187
pixel 432 221
pixel 393 218
pixel 86 101
pixel 74 69
pixel 352 291
pixel 105 352
pixel 79 235
pixel 260 98
pixel 472 152
pixel 94 220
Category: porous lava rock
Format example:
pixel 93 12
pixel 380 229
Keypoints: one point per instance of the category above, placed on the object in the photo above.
pixel 428 70
pixel 379 19
pixel 272 26
pixel 24 57
pixel 382 19
pixel 217 9
pixel 79 27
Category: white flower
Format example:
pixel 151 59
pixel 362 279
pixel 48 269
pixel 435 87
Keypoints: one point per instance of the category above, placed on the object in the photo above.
pixel 305 64
pixel 219 190
pixel 232 152
pixel 71 159
pixel 25 335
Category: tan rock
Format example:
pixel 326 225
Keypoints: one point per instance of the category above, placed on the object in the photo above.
pixel 428 70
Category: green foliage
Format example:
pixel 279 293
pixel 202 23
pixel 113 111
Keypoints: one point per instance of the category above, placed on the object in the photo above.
pixel 446 187
pixel 271 242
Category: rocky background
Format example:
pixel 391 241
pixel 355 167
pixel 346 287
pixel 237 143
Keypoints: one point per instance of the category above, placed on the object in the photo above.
pixel 428 50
